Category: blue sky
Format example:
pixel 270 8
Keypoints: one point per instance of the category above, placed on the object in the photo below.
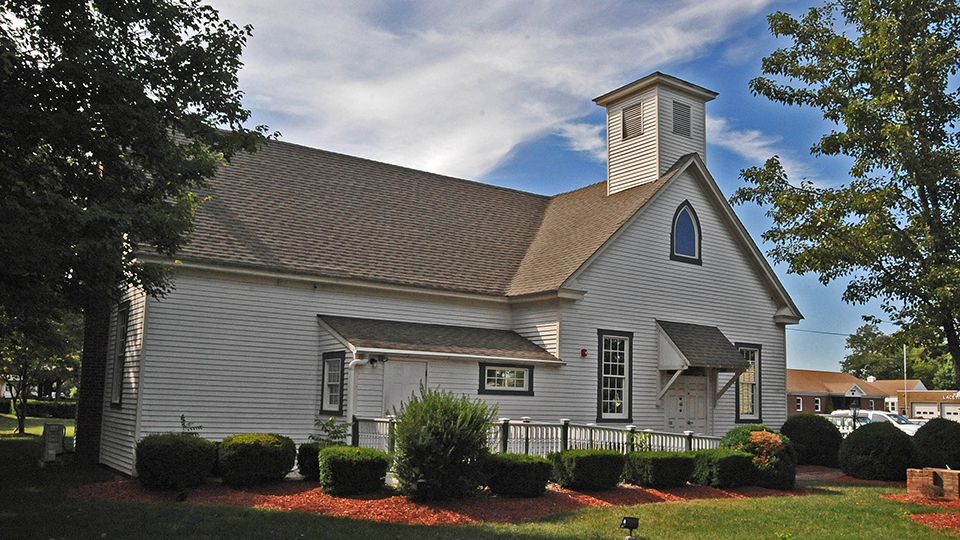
pixel 501 92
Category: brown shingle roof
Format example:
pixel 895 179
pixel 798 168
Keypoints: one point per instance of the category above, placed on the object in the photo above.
pixel 295 209
pixel 826 382
pixel 436 338
pixel 289 208
pixel 704 346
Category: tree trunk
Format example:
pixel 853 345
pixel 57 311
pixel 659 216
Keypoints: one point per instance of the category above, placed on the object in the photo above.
pixel 93 367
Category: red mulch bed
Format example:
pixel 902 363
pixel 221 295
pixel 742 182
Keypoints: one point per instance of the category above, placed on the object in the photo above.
pixel 306 497
pixel 938 521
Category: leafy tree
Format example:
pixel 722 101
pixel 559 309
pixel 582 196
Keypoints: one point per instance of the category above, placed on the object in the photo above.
pixel 26 361
pixel 874 353
pixel 113 113
pixel 884 72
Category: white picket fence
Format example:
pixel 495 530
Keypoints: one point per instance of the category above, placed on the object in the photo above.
pixel 541 438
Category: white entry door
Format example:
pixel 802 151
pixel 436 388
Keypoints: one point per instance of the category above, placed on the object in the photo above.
pixel 400 381
pixel 685 404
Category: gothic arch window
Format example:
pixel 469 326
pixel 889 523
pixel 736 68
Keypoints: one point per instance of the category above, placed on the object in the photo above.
pixel 685 235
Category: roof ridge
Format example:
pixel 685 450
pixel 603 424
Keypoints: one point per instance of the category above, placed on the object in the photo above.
pixel 406 168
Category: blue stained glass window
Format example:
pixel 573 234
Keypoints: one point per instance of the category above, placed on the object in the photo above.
pixel 685 234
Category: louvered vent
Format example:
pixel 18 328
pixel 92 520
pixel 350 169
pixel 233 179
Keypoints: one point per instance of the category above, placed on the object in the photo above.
pixel 681 119
pixel 632 121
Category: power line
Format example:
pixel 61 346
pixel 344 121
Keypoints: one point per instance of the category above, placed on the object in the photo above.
pixel 818 332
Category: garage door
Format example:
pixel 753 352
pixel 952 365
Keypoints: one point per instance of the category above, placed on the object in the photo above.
pixel 923 409
pixel 951 411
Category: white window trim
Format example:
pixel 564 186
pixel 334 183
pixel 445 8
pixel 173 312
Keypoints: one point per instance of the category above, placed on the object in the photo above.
pixel 485 388
pixel 756 415
pixel 799 404
pixel 625 412
pixel 327 360
pixel 816 405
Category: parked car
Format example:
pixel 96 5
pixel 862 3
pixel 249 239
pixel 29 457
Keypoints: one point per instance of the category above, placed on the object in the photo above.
pixel 900 422
pixel 845 423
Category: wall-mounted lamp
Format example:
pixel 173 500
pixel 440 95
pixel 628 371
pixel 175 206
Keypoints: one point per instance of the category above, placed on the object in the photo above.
pixel 630 523
pixel 377 358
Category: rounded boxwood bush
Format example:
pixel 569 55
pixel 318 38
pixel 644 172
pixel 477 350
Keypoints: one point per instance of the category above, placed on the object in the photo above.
pixel 773 454
pixel 307 459
pixel 938 444
pixel 256 458
pixel 174 460
pixel 517 475
pixel 723 468
pixel 349 470
pixel 587 470
pixel 658 470
pixel 440 441
pixel 877 451
pixel 815 438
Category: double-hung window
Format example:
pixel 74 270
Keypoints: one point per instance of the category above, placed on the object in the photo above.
pixel 613 373
pixel 799 404
pixel 119 354
pixel 748 385
pixel 331 398
pixel 816 405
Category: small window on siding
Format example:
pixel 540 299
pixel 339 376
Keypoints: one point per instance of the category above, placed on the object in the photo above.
pixel 119 354
pixel 331 383
pixel 685 235
pixel 681 119
pixel 505 379
pixel 748 385
pixel 632 119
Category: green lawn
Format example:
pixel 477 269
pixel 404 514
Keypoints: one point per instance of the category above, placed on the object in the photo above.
pixel 34 505
pixel 8 424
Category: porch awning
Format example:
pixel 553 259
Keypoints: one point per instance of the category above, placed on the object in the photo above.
pixel 376 336
pixel 684 346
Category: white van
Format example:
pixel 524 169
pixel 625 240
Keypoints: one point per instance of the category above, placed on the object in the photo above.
pixel 900 422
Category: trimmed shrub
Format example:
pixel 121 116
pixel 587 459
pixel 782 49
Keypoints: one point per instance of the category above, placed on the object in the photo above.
pixel 658 469
pixel 174 460
pixel 587 470
pixel 6 406
pixel 877 451
pixel 52 409
pixel 816 440
pixel 723 468
pixel 773 454
pixel 440 440
pixel 248 459
pixel 349 470
pixel 938 444
pixel 517 475
pixel 308 460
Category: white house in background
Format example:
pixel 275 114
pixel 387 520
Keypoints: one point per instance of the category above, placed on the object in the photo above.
pixel 319 283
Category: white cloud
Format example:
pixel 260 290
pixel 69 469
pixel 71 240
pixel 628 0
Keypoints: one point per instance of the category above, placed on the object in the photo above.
pixel 756 146
pixel 454 87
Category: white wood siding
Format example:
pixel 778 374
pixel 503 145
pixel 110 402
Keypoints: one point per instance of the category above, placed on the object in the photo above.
pixel 634 282
pixel 672 146
pixel 632 161
pixel 540 323
pixel 238 356
pixel 118 436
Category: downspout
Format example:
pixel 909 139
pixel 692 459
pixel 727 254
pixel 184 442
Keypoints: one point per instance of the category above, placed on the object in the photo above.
pixel 352 381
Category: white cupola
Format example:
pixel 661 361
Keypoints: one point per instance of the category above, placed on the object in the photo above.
pixel 651 123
